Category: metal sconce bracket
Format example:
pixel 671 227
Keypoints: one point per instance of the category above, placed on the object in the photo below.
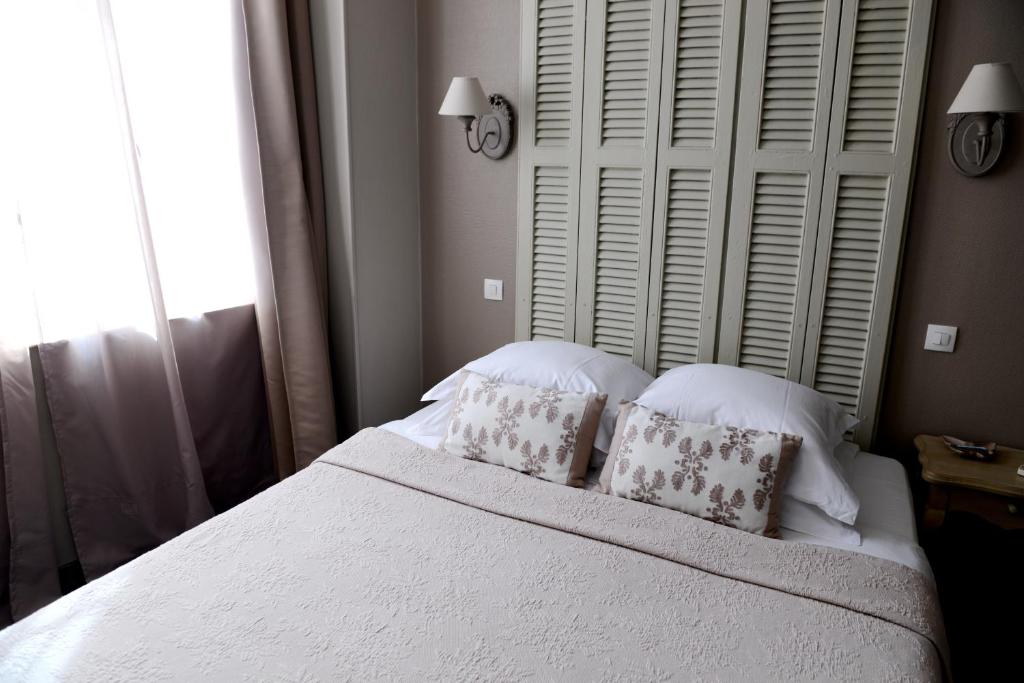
pixel 494 131
pixel 975 142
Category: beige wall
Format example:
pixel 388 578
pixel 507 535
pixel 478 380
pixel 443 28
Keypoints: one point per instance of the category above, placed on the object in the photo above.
pixel 467 202
pixel 963 261
pixel 964 257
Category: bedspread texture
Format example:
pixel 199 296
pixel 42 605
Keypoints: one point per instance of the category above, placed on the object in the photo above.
pixel 387 560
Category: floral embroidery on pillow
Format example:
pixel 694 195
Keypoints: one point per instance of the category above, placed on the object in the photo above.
pixel 547 400
pixel 475 446
pixel 568 439
pixel 534 463
pixel 457 410
pixel 767 481
pixel 508 422
pixel 706 479
pixel 622 462
pixel 724 511
pixel 488 390
pixel 691 465
pixel 662 425
pixel 647 493
pixel 738 438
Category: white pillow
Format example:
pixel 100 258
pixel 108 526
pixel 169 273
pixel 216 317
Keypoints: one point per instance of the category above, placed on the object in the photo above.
pixel 426 426
pixel 558 365
pixel 846 453
pixel 727 395
pixel 807 519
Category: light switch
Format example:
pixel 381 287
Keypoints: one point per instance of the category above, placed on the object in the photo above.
pixel 493 289
pixel 940 338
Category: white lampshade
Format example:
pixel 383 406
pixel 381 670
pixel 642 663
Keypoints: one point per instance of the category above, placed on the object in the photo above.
pixel 465 98
pixel 989 88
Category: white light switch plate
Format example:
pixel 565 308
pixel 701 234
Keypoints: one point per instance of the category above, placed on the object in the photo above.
pixel 940 338
pixel 493 289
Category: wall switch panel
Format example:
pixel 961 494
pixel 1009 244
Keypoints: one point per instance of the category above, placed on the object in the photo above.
pixel 493 289
pixel 940 338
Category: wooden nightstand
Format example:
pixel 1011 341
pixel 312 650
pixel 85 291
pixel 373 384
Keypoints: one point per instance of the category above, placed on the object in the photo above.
pixel 991 490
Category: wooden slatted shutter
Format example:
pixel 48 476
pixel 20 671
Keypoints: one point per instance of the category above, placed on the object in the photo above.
pixel 699 66
pixel 550 111
pixel 550 252
pixel 620 134
pixel 879 76
pixel 779 164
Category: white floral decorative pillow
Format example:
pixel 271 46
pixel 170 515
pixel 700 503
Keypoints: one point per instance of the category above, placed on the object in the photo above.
pixel 544 432
pixel 728 475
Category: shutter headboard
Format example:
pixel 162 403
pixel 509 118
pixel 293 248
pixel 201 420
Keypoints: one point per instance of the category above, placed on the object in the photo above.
pixel 675 208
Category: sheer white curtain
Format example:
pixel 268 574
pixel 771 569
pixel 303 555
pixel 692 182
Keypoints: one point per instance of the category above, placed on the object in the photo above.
pixel 71 256
pixel 123 203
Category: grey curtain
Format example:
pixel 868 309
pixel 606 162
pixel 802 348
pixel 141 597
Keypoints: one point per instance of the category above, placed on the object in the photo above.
pixel 106 400
pixel 290 247
pixel 28 567
pixel 222 379
pixel 130 473
pixel 127 486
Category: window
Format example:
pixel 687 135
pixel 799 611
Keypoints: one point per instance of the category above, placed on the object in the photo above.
pixel 72 217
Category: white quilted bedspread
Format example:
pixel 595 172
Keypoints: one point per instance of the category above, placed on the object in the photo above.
pixel 384 560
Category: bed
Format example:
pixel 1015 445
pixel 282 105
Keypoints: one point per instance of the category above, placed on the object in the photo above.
pixel 388 559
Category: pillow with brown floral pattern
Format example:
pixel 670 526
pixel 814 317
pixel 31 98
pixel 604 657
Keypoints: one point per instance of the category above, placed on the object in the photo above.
pixel 544 432
pixel 729 475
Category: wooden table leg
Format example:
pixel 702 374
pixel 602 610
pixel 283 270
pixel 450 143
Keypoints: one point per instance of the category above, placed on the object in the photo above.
pixel 935 507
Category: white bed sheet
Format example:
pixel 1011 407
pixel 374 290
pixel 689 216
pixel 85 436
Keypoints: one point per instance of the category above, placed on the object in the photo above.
pixel 425 426
pixel 886 517
pixel 885 521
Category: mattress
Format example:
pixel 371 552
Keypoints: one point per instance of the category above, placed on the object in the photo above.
pixel 386 560
pixel 885 521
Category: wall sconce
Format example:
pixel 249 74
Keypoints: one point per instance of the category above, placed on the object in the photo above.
pixel 978 127
pixel 466 101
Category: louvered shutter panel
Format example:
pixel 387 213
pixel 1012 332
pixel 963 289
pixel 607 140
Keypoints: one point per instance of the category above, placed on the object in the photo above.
pixel 554 72
pixel 620 133
pixel 779 164
pixel 628 28
pixel 879 75
pixel 550 133
pixel 792 74
pixel 849 289
pixel 773 272
pixel 699 62
pixel 550 252
pixel 876 75
pixel 616 275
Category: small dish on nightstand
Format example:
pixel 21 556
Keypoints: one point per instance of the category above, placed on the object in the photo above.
pixel 971 450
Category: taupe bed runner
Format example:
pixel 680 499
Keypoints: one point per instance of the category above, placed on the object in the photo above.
pixel 864 584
